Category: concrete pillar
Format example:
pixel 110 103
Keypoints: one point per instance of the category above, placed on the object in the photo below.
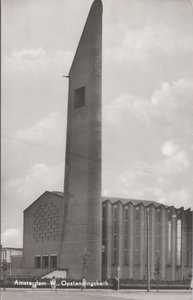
pixel 163 242
pixel 109 239
pixel 183 245
pixel 152 240
pixel 142 241
pixel 191 232
pixel 131 240
pixel 120 247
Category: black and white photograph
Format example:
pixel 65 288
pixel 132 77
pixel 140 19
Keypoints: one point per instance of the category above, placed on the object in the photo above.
pixel 96 150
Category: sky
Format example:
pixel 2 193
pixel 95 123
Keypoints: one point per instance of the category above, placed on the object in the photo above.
pixel 147 103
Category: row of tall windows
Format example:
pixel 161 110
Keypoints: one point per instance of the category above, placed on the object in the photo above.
pixel 46 261
pixel 173 241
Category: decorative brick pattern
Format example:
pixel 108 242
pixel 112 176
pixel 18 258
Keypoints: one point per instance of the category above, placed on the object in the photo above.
pixel 46 222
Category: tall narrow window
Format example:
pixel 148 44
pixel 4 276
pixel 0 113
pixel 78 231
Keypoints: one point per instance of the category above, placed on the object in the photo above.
pixel 137 237
pixel 45 262
pixel 37 262
pixel 169 239
pixel 79 97
pixel 104 236
pixel 179 241
pixel 187 259
pixel 115 235
pixel 158 232
pixel 186 240
pixel 53 261
pixel 126 237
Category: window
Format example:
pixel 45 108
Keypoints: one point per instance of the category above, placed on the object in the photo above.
pixel 104 236
pixel 79 97
pixel 53 261
pixel 158 215
pixel 45 262
pixel 37 262
pixel 169 241
pixel 179 241
pixel 137 214
pixel 186 240
pixel 158 232
pixel 115 235
pixel 187 259
pixel 137 237
pixel 126 238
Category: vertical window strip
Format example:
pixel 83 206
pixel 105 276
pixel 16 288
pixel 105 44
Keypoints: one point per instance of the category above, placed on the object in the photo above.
pixel 126 237
pixel 137 242
pixel 158 231
pixel 115 235
pixel 169 241
pixel 179 241
pixel 104 235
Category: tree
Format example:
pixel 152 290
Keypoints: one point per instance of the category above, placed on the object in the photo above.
pixel 4 267
pixel 157 270
pixel 86 257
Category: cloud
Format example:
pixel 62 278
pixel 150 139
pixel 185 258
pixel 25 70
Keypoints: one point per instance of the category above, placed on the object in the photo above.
pixel 36 60
pixel 39 178
pixel 169 148
pixel 30 53
pixel 118 108
pixel 176 164
pixel 12 236
pixel 44 131
pixel 176 91
pixel 156 134
pixel 148 42
pixel 178 197
pixel 176 160
pixel 20 192
pixel 172 101
pixel 143 183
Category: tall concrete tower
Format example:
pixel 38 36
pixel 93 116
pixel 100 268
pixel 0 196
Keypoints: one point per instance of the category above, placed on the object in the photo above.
pixel 81 237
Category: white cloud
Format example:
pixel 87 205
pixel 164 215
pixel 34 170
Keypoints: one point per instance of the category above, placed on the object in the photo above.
pixel 36 61
pixel 175 156
pixel 177 163
pixel 39 178
pixel 148 42
pixel 119 107
pixel 147 185
pixel 174 92
pixel 30 53
pixel 172 101
pixel 48 130
pixel 157 133
pixel 177 197
pixel 20 192
pixel 12 236
pixel 106 193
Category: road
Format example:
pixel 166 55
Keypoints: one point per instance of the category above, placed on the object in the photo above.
pixel 27 294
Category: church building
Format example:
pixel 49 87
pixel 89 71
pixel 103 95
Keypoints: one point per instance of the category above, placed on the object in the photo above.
pixel 78 231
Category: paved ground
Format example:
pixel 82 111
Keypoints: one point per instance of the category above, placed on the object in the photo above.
pixel 27 294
